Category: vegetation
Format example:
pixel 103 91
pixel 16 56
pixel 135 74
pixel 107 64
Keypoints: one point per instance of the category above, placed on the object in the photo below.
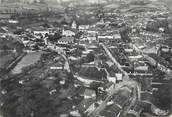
pixel 30 93
pixel 163 96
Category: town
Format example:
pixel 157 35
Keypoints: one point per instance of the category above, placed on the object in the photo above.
pixel 109 58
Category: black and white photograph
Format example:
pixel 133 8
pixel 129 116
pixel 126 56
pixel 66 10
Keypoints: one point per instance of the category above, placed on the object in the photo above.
pixel 85 58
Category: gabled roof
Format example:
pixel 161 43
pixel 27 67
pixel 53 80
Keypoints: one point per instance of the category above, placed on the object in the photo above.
pixel 109 63
pixel 67 39
pixel 69 28
pixel 89 92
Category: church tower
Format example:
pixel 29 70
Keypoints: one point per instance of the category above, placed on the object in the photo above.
pixel 74 25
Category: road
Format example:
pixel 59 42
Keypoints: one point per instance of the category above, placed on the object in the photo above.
pixel 66 65
pixel 127 82
pixel 115 61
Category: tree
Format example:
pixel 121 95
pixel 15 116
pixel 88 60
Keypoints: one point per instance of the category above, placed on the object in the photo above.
pixel 78 52
pixel 78 35
pixel 5 48
pixel 124 34
pixel 19 47
pixel 90 57
pixel 163 95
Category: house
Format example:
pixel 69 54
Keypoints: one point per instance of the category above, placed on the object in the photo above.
pixel 128 50
pixel 56 68
pixel 117 36
pixel 101 22
pixel 75 113
pixel 109 63
pixel 92 32
pixel 86 52
pixel 83 27
pixel 89 94
pixel 43 32
pixel 92 64
pixel 105 38
pixel 134 58
pixel 66 40
pixel 111 79
pixel 73 58
pixel 89 38
pixel 119 76
pixel 13 21
pixel 141 68
pixel 68 33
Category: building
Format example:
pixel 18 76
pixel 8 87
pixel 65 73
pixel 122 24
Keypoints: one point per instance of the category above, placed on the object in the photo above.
pixel 117 36
pixel 89 94
pixel 43 32
pixel 129 50
pixel 68 33
pixel 83 27
pixel 66 40
pixel 86 52
pixel 92 64
pixel 105 38
pixel 89 38
pixel 92 32
pixel 135 58
pixel 143 69
pixel 111 111
pixel 56 68
pixel 119 76
pixel 13 21
pixel 101 22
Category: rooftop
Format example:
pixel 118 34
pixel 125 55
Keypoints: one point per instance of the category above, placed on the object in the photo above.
pixel 67 39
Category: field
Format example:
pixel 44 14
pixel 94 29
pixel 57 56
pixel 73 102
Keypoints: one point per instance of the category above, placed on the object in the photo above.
pixel 27 60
